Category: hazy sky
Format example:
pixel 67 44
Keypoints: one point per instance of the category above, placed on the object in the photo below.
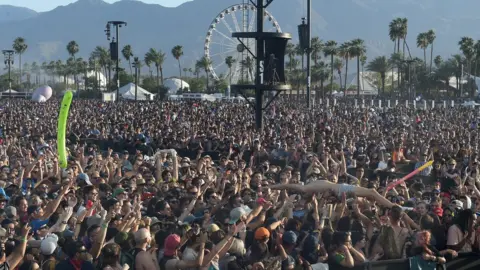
pixel 45 5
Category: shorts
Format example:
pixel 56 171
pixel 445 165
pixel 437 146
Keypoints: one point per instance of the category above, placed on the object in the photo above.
pixel 345 188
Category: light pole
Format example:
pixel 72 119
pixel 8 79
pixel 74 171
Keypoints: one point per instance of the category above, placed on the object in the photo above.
pixel 114 47
pixel 304 35
pixel 135 65
pixel 8 54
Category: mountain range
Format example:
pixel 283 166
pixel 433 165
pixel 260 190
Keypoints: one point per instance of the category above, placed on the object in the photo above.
pixel 150 25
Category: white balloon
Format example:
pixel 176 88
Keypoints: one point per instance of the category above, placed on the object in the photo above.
pixel 45 91
pixel 38 98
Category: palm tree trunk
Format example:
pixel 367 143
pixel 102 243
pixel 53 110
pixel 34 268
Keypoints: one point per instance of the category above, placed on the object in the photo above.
pixel 206 74
pixel 130 65
pixel 331 78
pixel 158 76
pixel 425 57
pixel 180 70
pixel 431 57
pixel 358 75
pixel 161 74
pixel 20 68
pixel 340 76
pixel 303 72
pixel 383 83
pixel 346 72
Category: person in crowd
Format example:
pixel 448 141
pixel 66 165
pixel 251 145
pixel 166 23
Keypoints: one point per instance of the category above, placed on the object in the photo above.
pixel 193 185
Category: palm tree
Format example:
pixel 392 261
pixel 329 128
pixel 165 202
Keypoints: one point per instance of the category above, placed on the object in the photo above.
pixel 157 58
pixel 19 46
pixel 72 49
pixel 185 70
pixel 82 67
pixel 330 49
pixel 320 74
pixel 431 39
pixel 422 43
pixel 467 46
pixel 127 53
pixel 345 51
pixel 299 51
pixel 317 47
pixel 27 71
pixel 358 49
pixel 438 61
pixel 177 52
pixel 248 64
pixel 290 52
pixel 148 63
pixel 338 65
pixel 36 71
pixel 476 49
pixel 380 65
pixel 396 61
pixel 363 61
pixel 204 63
pixel 395 33
pixel 403 33
pixel 103 57
pixel 229 61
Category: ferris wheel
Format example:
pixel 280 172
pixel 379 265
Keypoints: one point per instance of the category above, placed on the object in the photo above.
pixel 220 46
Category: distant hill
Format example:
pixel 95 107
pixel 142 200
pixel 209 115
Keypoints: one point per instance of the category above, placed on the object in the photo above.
pixel 150 25
pixel 11 13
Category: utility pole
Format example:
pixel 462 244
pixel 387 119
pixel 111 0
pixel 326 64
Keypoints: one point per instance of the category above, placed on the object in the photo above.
pixel 8 54
pixel 135 65
pixel 115 49
pixel 309 50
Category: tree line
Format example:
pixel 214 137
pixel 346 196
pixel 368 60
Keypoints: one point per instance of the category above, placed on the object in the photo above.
pixel 399 74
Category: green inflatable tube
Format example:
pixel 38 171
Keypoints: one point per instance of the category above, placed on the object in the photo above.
pixel 62 129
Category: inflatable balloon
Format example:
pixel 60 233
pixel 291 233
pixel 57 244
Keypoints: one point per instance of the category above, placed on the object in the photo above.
pixel 45 91
pixel 61 129
pixel 38 98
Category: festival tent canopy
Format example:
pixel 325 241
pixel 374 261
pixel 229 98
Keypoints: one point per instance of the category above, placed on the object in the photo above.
pixel 9 91
pixel 128 92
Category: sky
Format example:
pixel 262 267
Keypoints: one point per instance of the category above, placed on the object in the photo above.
pixel 46 5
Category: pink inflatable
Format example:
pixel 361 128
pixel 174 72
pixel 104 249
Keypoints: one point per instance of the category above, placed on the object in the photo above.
pixel 45 91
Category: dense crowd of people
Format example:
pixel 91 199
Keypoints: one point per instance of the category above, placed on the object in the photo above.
pixel 193 185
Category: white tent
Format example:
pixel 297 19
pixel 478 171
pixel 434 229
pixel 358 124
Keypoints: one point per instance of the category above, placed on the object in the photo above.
pixel 9 91
pixel 174 84
pixel 366 86
pixel 128 92
pixel 470 104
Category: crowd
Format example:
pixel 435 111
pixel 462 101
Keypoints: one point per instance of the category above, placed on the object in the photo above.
pixel 193 185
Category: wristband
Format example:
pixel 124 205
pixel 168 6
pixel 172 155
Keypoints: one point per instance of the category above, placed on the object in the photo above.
pixel 104 226
pixel 64 222
pixel 23 240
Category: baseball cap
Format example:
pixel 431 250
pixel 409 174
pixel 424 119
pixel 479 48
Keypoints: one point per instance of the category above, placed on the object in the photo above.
pixel 213 228
pixel 289 238
pixel 84 177
pixel 457 204
pixel 172 242
pixel 118 191
pixel 262 233
pixel 11 211
pixel 238 213
pixel 49 245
